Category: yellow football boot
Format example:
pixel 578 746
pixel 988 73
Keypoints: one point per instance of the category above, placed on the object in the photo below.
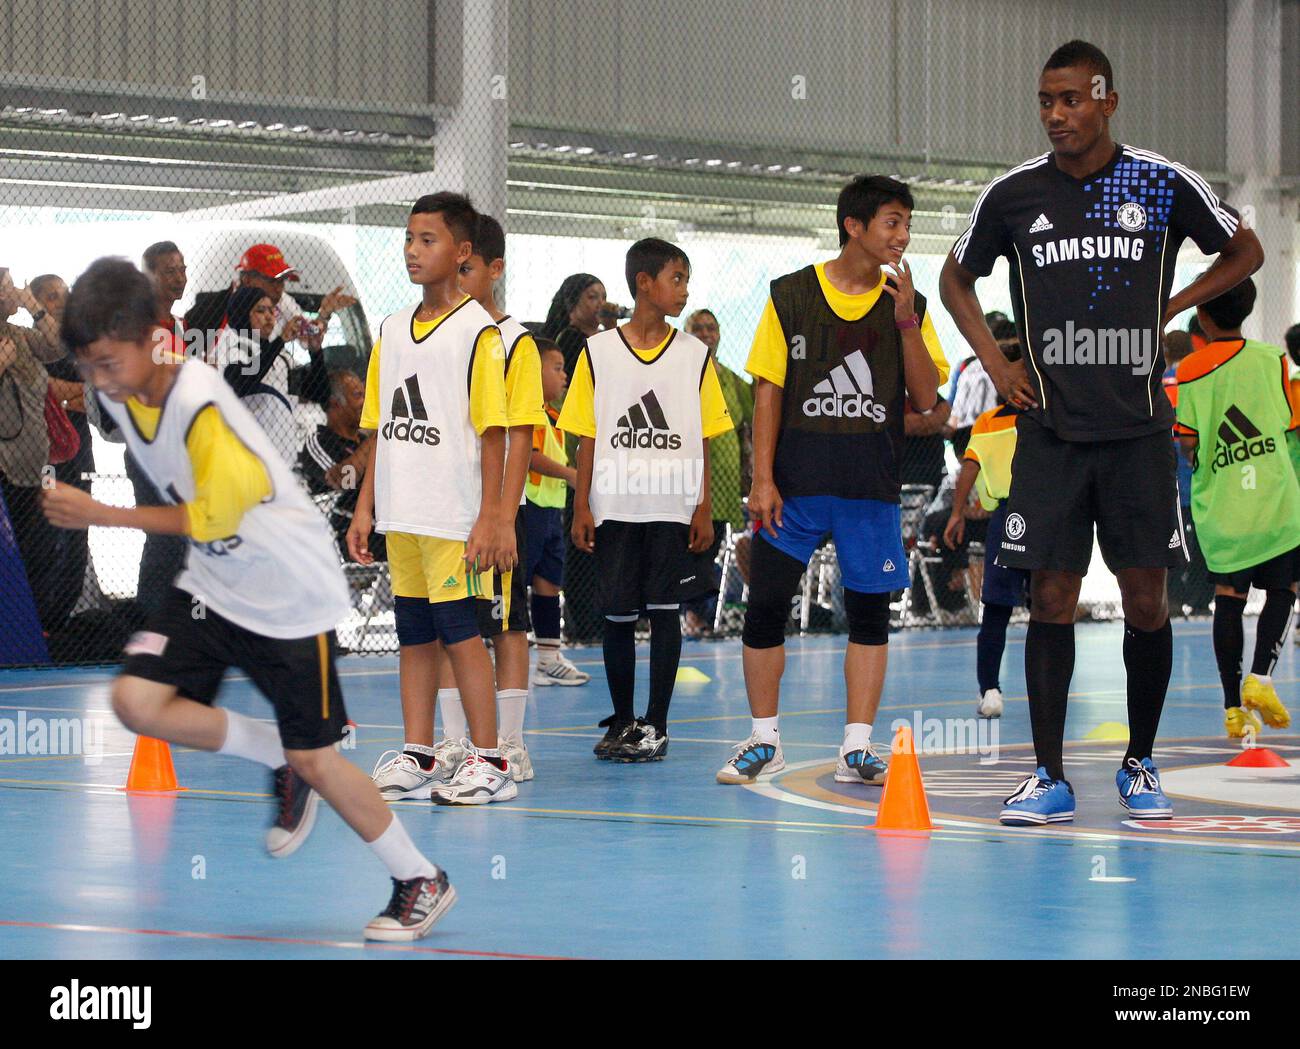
pixel 1239 722
pixel 1261 696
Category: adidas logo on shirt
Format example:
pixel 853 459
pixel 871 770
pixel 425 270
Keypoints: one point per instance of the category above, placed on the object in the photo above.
pixel 408 413
pixel 643 426
pixel 1041 225
pixel 847 393
pixel 1239 440
pixel 1175 541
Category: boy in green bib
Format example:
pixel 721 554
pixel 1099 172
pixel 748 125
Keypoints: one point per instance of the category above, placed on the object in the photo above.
pixel 1234 411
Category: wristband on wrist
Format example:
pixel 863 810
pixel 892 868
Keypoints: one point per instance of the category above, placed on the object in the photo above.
pixel 912 322
pixel 39 316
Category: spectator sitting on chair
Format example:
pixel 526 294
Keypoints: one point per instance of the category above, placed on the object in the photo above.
pixel 334 458
pixel 254 363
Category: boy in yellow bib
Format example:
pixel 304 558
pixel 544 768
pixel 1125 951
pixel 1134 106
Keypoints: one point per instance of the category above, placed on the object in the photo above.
pixel 436 401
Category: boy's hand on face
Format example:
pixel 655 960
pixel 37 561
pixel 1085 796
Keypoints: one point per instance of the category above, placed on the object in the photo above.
pixel 701 534
pixel 584 529
pixel 68 507
pixel 903 293
pixel 359 537
pixel 765 505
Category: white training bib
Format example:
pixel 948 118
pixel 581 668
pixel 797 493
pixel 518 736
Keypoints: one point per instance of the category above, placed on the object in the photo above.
pixel 649 459
pixel 428 475
pixel 279 575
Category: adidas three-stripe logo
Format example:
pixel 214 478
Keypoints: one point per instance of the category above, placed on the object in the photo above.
pixel 1239 440
pixel 847 393
pixel 408 414
pixel 1041 225
pixel 644 425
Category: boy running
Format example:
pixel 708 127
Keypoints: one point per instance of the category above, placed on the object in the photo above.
pixel 261 589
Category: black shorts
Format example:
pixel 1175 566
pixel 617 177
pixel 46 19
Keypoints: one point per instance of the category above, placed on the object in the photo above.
pixel 490 616
pixel 647 563
pixel 1060 489
pixel 298 675
pixel 1277 573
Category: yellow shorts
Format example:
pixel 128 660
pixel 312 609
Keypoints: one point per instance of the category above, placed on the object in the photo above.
pixel 434 568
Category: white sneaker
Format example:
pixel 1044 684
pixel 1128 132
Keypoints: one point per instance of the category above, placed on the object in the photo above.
pixel 990 704
pixel 448 754
pixel 752 760
pixel 477 782
pixel 518 763
pixel 559 671
pixel 401 777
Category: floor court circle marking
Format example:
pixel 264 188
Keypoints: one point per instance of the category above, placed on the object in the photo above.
pixel 1214 802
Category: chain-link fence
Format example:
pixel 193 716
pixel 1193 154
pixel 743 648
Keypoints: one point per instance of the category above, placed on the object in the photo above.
pixel 260 164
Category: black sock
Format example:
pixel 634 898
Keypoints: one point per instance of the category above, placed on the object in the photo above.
pixel 620 667
pixel 546 616
pixel 1049 666
pixel 665 654
pixel 498 761
pixel 990 644
pixel 1271 630
pixel 425 761
pixel 1229 641
pixel 1149 660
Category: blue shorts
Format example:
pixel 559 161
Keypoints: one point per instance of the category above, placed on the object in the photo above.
pixel 545 526
pixel 420 620
pixel 1002 586
pixel 868 536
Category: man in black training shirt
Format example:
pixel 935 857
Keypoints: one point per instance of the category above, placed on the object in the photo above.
pixel 1091 231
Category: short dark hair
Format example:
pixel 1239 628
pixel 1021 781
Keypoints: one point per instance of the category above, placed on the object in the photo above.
pixel 111 299
pixel 1082 53
pixel 1232 307
pixel 37 285
pixel 1004 329
pixel 456 211
pixel 545 345
pixel 154 252
pixel 703 309
pixel 650 255
pixel 489 239
pixel 1292 338
pixel 864 196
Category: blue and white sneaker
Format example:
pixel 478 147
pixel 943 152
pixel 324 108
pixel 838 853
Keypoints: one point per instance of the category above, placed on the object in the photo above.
pixel 861 766
pixel 751 760
pixel 1039 799
pixel 1139 790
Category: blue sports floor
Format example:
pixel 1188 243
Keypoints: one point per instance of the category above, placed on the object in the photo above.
pixel 602 860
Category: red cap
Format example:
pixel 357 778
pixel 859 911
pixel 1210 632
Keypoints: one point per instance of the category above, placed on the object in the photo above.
pixel 268 260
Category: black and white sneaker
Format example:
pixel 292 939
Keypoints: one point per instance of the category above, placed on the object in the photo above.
pixel 639 742
pixel 415 906
pixel 613 729
pixel 296 813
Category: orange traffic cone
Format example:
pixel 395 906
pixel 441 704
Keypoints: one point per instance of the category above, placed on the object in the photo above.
pixel 1258 758
pixel 903 805
pixel 151 766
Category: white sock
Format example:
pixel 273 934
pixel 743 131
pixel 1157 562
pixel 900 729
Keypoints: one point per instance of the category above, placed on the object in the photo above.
pixel 511 703
pixel 1263 679
pixel 454 725
pixel 398 853
pixel 548 650
pixel 857 734
pixel 766 729
pixel 252 740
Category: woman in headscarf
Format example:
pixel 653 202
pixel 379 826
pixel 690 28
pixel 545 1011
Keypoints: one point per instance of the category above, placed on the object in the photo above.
pixel 574 315
pixel 256 366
